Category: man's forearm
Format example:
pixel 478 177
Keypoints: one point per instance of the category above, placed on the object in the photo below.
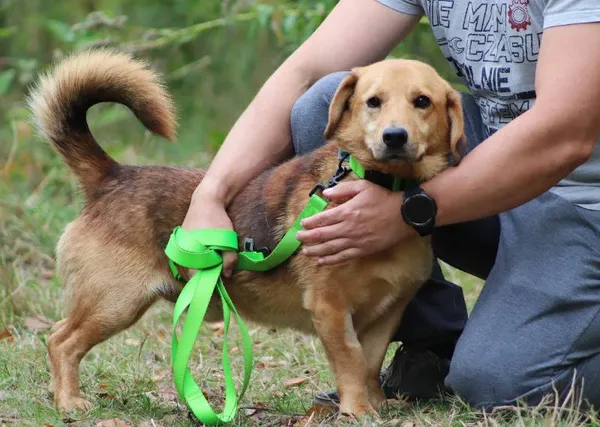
pixel 261 136
pixel 516 164
pixel 535 151
pixel 267 143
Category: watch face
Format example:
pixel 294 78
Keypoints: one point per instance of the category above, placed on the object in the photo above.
pixel 419 209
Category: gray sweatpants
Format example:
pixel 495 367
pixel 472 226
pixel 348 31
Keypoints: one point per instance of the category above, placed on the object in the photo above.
pixel 535 327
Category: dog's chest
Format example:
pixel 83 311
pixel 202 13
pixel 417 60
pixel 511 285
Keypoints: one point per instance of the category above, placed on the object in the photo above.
pixel 381 280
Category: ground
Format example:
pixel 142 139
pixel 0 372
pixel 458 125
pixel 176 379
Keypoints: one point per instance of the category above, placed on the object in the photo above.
pixel 128 377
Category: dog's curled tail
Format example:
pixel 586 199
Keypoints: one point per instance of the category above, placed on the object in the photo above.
pixel 61 98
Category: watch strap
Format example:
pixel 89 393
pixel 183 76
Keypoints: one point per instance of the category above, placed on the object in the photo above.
pixel 424 229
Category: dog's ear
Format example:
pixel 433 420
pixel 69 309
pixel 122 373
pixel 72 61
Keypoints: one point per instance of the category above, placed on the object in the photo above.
pixel 339 103
pixel 456 121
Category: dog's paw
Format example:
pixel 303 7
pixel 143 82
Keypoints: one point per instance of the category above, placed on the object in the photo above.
pixel 72 404
pixel 358 412
pixel 377 398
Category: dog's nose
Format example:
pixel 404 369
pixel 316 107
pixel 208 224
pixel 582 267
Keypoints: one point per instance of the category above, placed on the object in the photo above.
pixel 395 137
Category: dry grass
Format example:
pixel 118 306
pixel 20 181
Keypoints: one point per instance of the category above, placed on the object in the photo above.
pixel 128 377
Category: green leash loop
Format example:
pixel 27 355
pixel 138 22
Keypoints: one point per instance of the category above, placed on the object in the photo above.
pixel 200 249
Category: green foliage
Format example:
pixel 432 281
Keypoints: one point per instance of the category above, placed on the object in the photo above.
pixel 6 78
pixel 214 55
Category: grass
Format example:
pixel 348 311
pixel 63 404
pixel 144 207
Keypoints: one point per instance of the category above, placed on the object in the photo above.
pixel 128 377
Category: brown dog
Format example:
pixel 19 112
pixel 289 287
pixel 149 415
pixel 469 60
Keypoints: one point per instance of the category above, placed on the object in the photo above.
pixel 111 257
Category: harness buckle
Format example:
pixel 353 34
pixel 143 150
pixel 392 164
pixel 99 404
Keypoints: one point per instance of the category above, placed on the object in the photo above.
pixel 316 188
pixel 339 174
pixel 250 246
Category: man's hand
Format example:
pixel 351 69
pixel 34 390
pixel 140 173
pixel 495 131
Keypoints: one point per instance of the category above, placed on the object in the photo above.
pixel 206 212
pixel 366 221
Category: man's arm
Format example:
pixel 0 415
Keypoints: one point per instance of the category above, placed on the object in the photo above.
pixel 355 33
pixel 516 164
pixel 541 147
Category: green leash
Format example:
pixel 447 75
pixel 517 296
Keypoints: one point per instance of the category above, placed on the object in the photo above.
pixel 200 250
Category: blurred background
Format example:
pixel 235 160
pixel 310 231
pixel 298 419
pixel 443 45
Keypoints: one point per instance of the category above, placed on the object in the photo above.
pixel 214 54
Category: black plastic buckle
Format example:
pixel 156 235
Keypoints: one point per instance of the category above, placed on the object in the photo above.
pixel 339 174
pixel 317 188
pixel 249 246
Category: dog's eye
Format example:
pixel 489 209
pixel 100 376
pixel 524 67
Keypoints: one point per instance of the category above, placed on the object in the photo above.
pixel 374 102
pixel 422 102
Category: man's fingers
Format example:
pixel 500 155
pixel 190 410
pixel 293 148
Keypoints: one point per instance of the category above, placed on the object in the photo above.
pixel 328 248
pixel 340 257
pixel 329 217
pixel 229 261
pixel 320 234
pixel 184 272
pixel 344 191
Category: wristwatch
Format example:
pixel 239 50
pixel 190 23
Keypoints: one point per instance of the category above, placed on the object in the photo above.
pixel 419 210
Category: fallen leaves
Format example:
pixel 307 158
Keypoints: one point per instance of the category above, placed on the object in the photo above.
pixel 46 274
pixel 305 421
pixel 105 395
pixel 294 382
pixel 250 411
pixel 113 422
pixel 161 375
pixel 320 410
pixel 218 328
pixel 398 422
pixel 168 394
pixel 258 406
pixel 398 404
pixel 268 362
pixel 5 334
pixel 37 323
pixel 151 423
pixel 165 391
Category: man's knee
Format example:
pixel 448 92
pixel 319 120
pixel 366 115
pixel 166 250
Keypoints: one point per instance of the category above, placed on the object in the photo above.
pixel 485 380
pixel 317 97
pixel 485 384
pixel 310 113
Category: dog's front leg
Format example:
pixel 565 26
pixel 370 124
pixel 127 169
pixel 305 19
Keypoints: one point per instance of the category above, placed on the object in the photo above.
pixel 334 327
pixel 375 340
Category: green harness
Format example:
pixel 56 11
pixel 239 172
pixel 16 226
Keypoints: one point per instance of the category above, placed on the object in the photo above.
pixel 200 250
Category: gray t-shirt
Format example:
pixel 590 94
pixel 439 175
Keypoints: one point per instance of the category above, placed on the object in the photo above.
pixel 493 45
